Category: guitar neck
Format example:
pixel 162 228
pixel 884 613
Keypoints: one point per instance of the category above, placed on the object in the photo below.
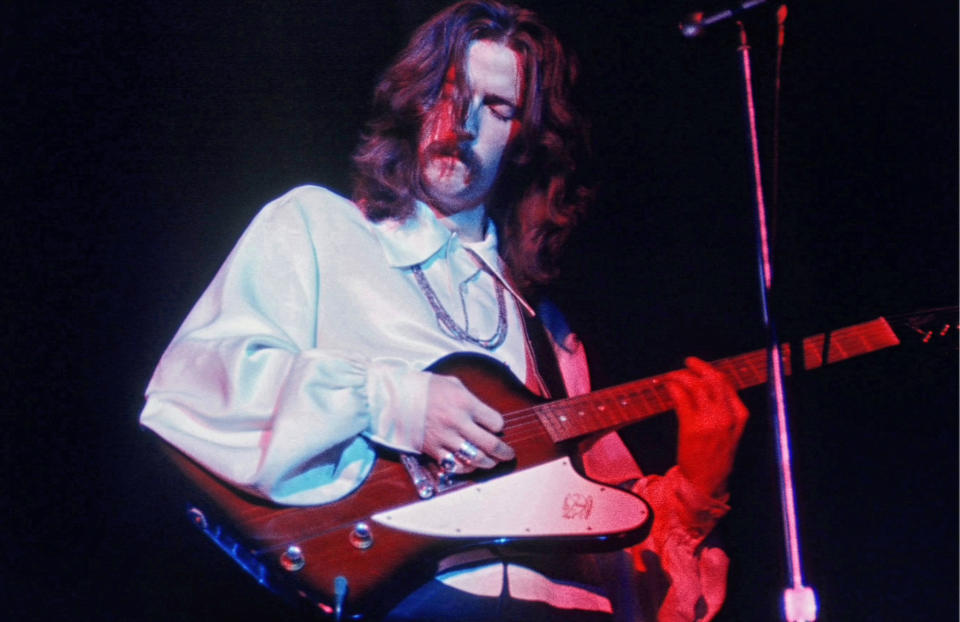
pixel 634 401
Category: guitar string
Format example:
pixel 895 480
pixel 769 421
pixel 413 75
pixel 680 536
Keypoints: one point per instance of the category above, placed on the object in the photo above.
pixel 526 424
pixel 598 421
pixel 752 364
pixel 609 412
pixel 531 425
pixel 602 401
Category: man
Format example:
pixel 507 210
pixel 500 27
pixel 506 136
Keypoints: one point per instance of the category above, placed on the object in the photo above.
pixel 309 348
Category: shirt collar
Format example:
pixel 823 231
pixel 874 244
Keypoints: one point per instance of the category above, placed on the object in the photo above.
pixel 418 238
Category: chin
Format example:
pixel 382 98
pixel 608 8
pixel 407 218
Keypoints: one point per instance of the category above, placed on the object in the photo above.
pixel 450 196
pixel 448 205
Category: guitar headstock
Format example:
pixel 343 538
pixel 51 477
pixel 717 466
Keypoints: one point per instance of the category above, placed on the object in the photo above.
pixel 933 326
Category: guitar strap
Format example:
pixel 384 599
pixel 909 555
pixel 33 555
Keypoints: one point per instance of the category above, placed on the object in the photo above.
pixel 544 362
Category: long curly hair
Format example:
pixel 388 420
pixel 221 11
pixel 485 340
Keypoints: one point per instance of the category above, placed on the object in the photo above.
pixel 538 197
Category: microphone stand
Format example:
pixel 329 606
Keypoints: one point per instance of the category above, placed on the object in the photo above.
pixel 799 601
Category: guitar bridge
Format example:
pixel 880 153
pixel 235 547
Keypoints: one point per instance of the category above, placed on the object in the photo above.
pixel 428 480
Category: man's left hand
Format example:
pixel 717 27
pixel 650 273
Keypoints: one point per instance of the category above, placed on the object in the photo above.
pixel 711 419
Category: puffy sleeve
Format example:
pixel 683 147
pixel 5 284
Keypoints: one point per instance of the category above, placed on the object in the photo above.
pixel 679 571
pixel 679 576
pixel 247 389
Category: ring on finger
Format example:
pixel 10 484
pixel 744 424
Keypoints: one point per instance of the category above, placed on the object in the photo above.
pixel 467 452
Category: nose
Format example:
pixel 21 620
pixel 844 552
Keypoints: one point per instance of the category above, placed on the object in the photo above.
pixel 457 122
pixel 471 122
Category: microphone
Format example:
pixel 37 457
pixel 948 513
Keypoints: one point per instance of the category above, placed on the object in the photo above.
pixel 695 23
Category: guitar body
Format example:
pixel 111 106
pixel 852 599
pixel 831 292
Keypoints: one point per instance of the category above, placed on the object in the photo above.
pixel 386 538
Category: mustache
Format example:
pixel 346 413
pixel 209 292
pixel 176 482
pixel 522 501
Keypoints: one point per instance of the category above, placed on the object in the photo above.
pixel 452 149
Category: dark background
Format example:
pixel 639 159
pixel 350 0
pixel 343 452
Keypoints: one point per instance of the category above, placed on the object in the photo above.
pixel 140 138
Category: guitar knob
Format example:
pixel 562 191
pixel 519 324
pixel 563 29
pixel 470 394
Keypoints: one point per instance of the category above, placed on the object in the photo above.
pixel 361 537
pixel 292 559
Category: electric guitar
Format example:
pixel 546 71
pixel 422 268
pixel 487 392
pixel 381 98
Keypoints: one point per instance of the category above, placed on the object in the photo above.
pixel 354 558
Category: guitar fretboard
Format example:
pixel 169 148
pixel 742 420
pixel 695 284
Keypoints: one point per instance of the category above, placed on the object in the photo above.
pixel 634 401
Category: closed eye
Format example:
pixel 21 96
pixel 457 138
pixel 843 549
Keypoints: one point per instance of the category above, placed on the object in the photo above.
pixel 500 108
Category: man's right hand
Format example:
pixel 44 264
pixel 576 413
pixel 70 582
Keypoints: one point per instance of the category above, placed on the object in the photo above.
pixel 455 415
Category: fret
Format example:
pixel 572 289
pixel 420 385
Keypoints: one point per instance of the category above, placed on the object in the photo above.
pixel 625 405
pixel 837 350
pixel 548 418
pixel 664 403
pixel 632 400
pixel 865 340
pixel 583 418
pixel 625 400
pixel 651 399
pixel 620 405
pixel 606 411
pixel 564 420
pixel 813 352
pixel 628 403
pixel 574 419
pixel 740 372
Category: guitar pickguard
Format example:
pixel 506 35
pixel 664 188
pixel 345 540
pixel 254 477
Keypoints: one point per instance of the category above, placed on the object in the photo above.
pixel 550 500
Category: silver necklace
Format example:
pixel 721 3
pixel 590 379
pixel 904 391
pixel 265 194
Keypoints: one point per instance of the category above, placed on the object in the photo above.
pixel 450 326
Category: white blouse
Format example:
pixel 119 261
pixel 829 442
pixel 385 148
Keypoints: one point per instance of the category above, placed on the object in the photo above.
pixel 309 345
